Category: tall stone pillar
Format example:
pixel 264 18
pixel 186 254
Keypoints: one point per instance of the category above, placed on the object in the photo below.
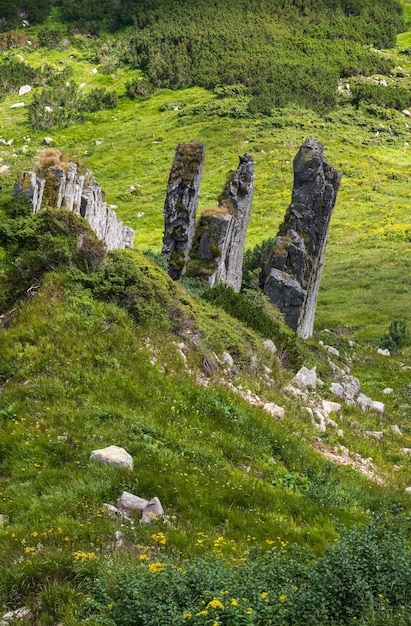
pixel 292 270
pixel 219 240
pixel 181 204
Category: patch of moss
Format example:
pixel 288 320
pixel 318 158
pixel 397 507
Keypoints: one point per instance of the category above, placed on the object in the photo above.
pixel 187 161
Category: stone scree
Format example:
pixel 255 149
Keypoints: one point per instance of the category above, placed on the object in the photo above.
pixel 180 205
pixel 64 187
pixel 292 269
pixel 219 239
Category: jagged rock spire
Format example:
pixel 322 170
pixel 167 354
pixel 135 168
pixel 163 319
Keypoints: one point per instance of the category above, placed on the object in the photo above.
pixel 61 186
pixel 219 240
pixel 180 205
pixel 292 270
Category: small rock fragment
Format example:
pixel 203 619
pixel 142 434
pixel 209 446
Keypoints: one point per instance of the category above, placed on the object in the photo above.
pixel 388 390
pixel 385 352
pixel 153 511
pixel 375 434
pixel 24 89
pixel 270 346
pixel 113 455
pixel 306 378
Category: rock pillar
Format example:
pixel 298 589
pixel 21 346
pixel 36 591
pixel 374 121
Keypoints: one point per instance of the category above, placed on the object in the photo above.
pixel 219 241
pixel 292 270
pixel 181 203
pixel 63 187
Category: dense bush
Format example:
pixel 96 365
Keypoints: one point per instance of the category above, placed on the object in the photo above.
pixel 37 243
pixel 365 577
pixel 62 105
pixel 14 74
pixel 397 336
pixel 253 309
pixel 389 96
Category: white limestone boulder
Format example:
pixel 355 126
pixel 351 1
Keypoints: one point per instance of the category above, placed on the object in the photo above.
pixel 113 455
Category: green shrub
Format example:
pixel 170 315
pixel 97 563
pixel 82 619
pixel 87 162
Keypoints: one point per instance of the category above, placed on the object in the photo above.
pixel 365 576
pixel 56 106
pixel 50 37
pixel 99 99
pixel 397 336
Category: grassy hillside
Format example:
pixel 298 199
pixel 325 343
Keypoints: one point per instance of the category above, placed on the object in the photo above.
pixel 267 520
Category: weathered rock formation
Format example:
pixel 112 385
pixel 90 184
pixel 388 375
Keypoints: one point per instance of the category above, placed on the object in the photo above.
pixel 292 270
pixel 61 186
pixel 219 240
pixel 181 203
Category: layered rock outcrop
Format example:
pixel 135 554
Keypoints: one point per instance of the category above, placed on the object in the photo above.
pixel 181 204
pixel 61 186
pixel 292 269
pixel 219 239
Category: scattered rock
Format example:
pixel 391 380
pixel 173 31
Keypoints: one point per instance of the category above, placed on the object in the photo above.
pixel 24 89
pixel 131 503
pixel 406 451
pixel 18 105
pixel 19 58
pixel 209 366
pixel 47 141
pixel 388 390
pixel 330 407
pixel 407 113
pixel 227 359
pixel 366 403
pixel 396 429
pixel 332 350
pixel 113 455
pixel 270 346
pixel 98 142
pixel 407 489
pixel 306 378
pixel 152 512
pixel 4 169
pixel 94 71
pixel 274 410
pixel 385 352
pixel 375 434
pixel 112 510
pixel 19 614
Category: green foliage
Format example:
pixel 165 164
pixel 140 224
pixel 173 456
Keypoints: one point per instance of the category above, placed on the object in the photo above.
pixel 252 262
pixel 49 37
pixel 45 241
pixel 14 74
pixel 390 96
pixel 365 576
pixel 135 284
pixel 99 99
pixel 397 336
pixel 59 106
pixel 254 310
pixel 62 105
pixel 138 88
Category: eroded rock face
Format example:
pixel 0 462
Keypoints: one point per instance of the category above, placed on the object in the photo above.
pixel 181 204
pixel 64 187
pixel 292 270
pixel 219 240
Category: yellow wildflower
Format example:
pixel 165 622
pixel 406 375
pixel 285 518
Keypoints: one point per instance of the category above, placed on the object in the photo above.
pixel 234 602
pixel 215 603
pixel 282 598
pixel 264 595
pixel 187 615
pixel 249 611
pixel 156 567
